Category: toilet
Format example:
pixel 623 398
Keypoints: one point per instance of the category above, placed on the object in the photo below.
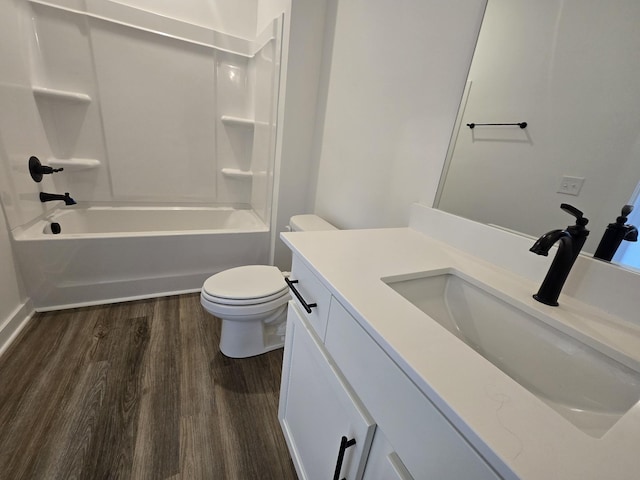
pixel 252 301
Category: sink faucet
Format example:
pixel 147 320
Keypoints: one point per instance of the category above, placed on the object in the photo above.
pixel 615 234
pixel 570 243
pixel 48 197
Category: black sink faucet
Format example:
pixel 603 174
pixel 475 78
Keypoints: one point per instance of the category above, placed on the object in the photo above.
pixel 570 241
pixel 615 234
pixel 48 197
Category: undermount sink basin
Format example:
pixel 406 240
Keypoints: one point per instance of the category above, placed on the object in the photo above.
pixel 587 387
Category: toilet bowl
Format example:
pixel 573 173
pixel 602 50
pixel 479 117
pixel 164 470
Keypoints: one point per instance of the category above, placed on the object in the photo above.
pixel 252 301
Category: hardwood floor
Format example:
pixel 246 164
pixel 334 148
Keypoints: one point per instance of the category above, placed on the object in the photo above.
pixel 137 390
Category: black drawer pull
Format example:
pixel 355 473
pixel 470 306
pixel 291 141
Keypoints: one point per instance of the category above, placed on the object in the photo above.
pixel 344 444
pixel 307 306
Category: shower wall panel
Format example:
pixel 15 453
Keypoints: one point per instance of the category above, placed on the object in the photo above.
pixel 61 61
pixel 234 138
pixel 266 72
pixel 138 107
pixel 159 113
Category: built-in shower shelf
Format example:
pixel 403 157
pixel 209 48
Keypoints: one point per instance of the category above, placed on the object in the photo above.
pixel 74 163
pixel 51 93
pixel 237 121
pixel 236 173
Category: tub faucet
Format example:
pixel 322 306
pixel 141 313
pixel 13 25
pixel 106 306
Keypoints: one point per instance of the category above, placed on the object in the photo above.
pixel 48 197
pixel 570 243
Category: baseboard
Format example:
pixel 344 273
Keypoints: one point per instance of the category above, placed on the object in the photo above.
pixel 14 323
pixel 107 301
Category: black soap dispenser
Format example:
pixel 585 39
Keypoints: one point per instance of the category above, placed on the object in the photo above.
pixel 615 234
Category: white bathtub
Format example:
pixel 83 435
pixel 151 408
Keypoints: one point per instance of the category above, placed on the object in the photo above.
pixel 108 254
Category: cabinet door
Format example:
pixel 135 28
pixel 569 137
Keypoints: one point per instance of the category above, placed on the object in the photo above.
pixel 383 462
pixel 317 409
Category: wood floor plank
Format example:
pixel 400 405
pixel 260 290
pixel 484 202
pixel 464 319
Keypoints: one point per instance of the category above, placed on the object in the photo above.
pixel 110 449
pixel 156 452
pixel 137 390
pixel 49 389
pixel 199 417
pixel 76 425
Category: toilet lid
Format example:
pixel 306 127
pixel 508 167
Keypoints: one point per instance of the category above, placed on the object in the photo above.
pixel 247 282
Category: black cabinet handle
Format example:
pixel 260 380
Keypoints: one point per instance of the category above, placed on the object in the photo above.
pixel 307 306
pixel 344 444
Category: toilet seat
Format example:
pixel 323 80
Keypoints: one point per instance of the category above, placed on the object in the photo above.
pixel 245 291
pixel 246 285
pixel 242 301
pixel 246 311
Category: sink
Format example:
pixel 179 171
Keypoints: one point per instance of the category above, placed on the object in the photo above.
pixel 588 388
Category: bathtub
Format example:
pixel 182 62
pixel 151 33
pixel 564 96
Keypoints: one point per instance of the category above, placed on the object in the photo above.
pixel 107 254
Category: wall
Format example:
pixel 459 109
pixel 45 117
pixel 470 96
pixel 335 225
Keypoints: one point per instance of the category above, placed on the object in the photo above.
pixel 397 73
pixel 235 17
pixel 570 69
pixel 269 9
pixel 21 133
pixel 310 25
pixel 145 103
pixel 15 133
pixel 15 308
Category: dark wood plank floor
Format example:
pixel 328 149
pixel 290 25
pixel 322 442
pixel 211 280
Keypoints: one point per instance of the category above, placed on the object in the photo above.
pixel 137 390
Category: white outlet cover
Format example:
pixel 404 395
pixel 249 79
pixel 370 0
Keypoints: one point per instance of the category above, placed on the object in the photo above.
pixel 571 185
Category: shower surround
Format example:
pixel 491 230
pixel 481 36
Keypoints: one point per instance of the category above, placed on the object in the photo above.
pixel 143 111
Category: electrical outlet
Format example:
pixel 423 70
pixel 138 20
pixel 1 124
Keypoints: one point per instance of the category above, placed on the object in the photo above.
pixel 570 185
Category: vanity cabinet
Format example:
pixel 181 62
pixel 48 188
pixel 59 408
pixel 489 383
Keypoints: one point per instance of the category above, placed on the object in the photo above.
pixel 337 381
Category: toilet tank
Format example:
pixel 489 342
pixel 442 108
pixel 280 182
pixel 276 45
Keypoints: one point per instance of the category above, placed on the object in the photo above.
pixel 308 223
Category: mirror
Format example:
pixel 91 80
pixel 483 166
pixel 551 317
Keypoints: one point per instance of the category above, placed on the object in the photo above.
pixel 571 70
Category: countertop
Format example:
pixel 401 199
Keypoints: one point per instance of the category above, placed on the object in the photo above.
pixel 516 432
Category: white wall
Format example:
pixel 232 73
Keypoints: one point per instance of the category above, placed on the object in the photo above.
pixel 235 17
pixel 21 133
pixel 397 73
pixel 11 295
pixel 15 125
pixel 302 70
pixel 158 92
pixel 270 9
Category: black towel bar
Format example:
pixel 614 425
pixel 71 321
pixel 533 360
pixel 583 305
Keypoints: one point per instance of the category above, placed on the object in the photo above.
pixel 474 125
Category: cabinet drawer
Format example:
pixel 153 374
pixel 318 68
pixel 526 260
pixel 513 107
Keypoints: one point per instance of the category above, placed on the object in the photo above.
pixel 312 291
pixel 428 445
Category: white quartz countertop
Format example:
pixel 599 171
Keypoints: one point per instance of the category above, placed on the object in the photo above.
pixel 519 434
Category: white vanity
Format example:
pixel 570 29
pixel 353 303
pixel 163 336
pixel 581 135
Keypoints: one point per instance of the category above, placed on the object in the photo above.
pixel 481 397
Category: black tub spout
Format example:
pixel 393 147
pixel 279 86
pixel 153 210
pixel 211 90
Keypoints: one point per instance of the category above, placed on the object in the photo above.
pixel 49 197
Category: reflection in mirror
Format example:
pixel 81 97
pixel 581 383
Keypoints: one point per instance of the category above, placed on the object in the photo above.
pixel 571 70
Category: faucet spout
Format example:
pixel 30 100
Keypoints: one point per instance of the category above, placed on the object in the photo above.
pixel 570 242
pixel 546 241
pixel 48 197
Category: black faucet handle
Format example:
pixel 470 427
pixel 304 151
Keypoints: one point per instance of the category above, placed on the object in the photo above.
pixel 37 170
pixel 626 210
pixel 571 210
